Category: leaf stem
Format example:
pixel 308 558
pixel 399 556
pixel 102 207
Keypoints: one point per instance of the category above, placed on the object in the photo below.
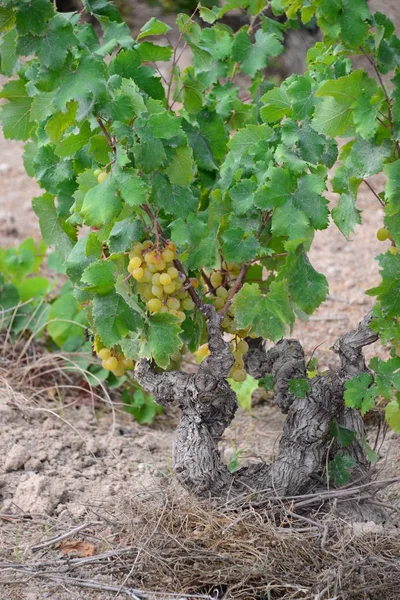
pixel 107 135
pixel 374 192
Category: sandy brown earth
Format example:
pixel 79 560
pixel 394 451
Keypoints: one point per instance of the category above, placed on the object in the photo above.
pixel 64 463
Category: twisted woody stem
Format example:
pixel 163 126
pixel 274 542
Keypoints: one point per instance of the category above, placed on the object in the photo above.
pixel 208 405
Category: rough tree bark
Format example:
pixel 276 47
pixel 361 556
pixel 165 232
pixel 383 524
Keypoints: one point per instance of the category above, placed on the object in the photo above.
pixel 208 406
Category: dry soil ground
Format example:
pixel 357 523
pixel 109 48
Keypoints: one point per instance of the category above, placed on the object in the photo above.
pixel 64 462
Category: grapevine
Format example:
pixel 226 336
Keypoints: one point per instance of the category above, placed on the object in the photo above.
pixel 173 199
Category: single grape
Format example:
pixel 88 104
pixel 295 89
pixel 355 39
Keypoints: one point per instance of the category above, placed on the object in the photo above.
pixel 154 305
pixel 382 234
pixel 138 273
pixel 170 288
pixel 171 246
pixel 103 175
pixel 128 363
pixel 168 255
pixel 110 363
pixel 218 302
pixel 216 279
pixel 97 172
pixel 239 375
pixel 104 353
pixel 119 371
pixel 187 304
pixel 135 262
pixel 222 293
pixel 243 346
pixel 173 303
pixel 155 280
pixel 146 291
pixel 393 250
pixel 172 272
pixel 147 244
pixel 165 279
pixel 160 264
pixel 194 282
pixel 157 291
pixel 147 277
pixel 150 256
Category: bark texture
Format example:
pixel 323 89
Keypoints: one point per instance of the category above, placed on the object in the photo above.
pixel 208 406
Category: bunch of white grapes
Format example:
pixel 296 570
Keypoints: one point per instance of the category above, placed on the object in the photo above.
pixel 159 283
pixel 115 361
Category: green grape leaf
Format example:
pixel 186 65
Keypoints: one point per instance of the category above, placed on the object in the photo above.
pixel 244 391
pixel 207 15
pixel 7 19
pixel 66 319
pixel 149 52
pixel 99 277
pixel 164 126
pixel 142 406
pixel 124 233
pixel 175 200
pixel 346 214
pixel 101 203
pixel 299 387
pixel 51 227
pixel 59 122
pixel 242 196
pixel 41 107
pixel 52 48
pixel 153 27
pixel 387 375
pixel 198 240
pixel 254 57
pixel 113 318
pixel 78 260
pixel 301 95
pixel 270 315
pixel 193 92
pixel 277 105
pixel 33 288
pixel 8 53
pixel 360 394
pixel 340 467
pixel 15 115
pixel 392 191
pixel 134 190
pixel 85 84
pixel 248 137
pixel 163 337
pixel 278 190
pixel 342 435
pixel 74 142
pixel 388 292
pixel 239 245
pixel 32 16
pixel 307 287
pixel 124 289
pixel 392 415
pixel 368 158
pixel 182 169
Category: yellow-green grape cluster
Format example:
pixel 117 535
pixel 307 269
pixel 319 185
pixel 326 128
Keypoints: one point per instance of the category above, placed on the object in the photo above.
pixel 239 348
pixel 222 281
pixel 159 283
pixel 100 175
pixel 114 361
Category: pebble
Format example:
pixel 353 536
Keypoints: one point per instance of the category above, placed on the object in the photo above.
pixel 16 458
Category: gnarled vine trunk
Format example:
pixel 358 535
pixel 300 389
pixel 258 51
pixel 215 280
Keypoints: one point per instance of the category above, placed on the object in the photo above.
pixel 208 405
